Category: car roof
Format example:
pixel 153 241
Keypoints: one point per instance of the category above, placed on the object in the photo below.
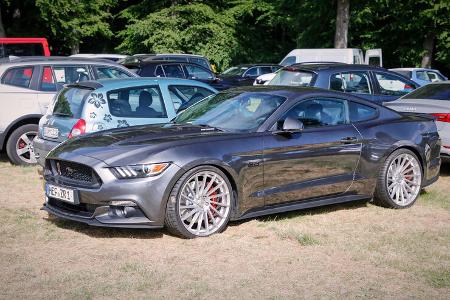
pixel 412 69
pixel 131 81
pixel 332 66
pixel 39 60
pixel 257 65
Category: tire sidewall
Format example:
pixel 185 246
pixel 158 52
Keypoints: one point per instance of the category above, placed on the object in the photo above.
pixel 174 199
pixel 12 141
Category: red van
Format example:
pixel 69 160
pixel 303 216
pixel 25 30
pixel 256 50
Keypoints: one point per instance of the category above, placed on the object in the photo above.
pixel 24 47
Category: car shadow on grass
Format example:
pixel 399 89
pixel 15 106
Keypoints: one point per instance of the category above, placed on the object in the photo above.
pixel 3 157
pixel 103 232
pixel 445 169
pixel 307 212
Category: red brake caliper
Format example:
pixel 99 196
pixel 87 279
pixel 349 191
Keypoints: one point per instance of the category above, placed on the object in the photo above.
pixel 213 199
pixel 22 144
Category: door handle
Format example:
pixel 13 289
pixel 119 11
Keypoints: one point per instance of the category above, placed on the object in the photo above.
pixel 349 140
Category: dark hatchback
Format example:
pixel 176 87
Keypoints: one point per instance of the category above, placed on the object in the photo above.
pixel 175 69
pixel 244 75
pixel 368 82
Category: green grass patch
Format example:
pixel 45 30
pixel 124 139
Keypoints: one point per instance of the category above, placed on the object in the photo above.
pixel 438 279
pixel 435 199
pixel 288 233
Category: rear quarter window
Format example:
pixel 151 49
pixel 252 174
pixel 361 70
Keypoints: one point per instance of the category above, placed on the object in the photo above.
pixel 359 112
pixel 20 77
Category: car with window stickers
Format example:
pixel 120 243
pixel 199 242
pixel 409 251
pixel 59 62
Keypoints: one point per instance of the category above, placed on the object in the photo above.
pixel 27 86
pixel 105 104
pixel 368 82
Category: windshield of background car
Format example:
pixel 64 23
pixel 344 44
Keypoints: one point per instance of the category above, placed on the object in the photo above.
pixel 235 71
pixel 431 91
pixel 235 112
pixel 292 77
pixel 69 102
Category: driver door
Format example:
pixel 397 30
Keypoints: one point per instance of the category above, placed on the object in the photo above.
pixel 318 161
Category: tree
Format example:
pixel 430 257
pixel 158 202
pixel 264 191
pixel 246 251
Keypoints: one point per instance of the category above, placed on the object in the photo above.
pixel 73 20
pixel 194 28
pixel 342 21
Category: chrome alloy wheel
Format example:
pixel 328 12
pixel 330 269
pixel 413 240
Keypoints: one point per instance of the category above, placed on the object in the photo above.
pixel 204 203
pixel 404 178
pixel 24 147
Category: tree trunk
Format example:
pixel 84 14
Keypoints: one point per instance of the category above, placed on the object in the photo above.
pixel 75 49
pixel 2 28
pixel 428 46
pixel 342 20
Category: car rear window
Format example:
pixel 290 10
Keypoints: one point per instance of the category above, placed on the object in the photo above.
pixel 407 74
pixel 292 77
pixel 69 102
pixel 20 77
pixel 431 91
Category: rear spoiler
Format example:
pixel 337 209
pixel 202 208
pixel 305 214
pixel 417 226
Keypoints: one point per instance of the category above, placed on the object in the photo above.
pixel 92 85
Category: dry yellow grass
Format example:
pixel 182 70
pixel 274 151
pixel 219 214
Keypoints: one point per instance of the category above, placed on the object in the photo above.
pixel 350 251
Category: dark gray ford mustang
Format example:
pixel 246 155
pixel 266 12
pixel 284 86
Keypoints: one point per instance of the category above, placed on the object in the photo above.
pixel 243 153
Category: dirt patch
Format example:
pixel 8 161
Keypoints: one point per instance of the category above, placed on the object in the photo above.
pixel 348 251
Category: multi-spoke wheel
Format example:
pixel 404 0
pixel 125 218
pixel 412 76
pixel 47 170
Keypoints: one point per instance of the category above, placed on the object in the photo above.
pixel 400 180
pixel 20 145
pixel 200 203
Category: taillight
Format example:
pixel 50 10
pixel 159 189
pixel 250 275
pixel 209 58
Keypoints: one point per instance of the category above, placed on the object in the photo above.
pixel 442 117
pixel 408 87
pixel 78 129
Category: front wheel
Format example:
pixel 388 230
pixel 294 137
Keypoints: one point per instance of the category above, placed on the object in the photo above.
pixel 200 203
pixel 400 180
pixel 20 145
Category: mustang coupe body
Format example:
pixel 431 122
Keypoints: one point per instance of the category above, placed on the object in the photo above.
pixel 243 153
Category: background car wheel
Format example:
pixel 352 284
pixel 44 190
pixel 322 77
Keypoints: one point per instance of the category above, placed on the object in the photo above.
pixel 400 180
pixel 200 203
pixel 20 145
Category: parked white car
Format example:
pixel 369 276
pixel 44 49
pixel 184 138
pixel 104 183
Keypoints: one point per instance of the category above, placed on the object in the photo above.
pixel 112 57
pixel 421 76
pixel 432 99
pixel 27 85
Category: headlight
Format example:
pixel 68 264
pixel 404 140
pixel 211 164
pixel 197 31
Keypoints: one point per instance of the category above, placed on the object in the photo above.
pixel 139 171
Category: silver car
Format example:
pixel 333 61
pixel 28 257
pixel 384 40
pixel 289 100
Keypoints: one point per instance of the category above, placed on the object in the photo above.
pixel 432 99
pixel 27 85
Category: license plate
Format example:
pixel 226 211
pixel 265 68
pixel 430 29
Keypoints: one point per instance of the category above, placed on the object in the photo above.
pixel 50 132
pixel 60 193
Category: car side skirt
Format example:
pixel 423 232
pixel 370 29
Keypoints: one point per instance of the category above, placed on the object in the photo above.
pixel 280 208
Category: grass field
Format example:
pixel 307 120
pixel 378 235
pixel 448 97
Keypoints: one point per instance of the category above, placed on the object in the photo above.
pixel 349 251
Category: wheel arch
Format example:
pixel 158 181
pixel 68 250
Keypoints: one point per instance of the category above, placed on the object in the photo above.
pixel 414 150
pixel 24 120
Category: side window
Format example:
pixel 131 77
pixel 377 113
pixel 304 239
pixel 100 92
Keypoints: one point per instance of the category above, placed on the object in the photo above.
pixel 175 71
pixel 318 113
pixel 47 82
pixel 184 96
pixel 110 72
pixel 137 102
pixel 288 61
pixel 274 69
pixel 422 75
pixel 72 74
pixel 360 112
pixel 392 85
pixel 252 72
pixel 350 82
pixel 20 77
pixel 434 76
pixel 198 73
pixel 199 61
pixel 265 70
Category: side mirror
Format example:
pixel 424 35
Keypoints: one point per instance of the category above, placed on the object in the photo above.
pixel 293 125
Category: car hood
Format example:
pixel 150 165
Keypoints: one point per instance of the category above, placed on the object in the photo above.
pixel 137 142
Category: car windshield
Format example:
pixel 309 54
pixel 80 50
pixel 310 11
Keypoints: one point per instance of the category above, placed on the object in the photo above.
pixel 431 91
pixel 235 71
pixel 69 102
pixel 232 111
pixel 292 78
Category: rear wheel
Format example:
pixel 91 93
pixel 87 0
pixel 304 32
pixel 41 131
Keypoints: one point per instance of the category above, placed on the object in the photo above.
pixel 200 203
pixel 20 145
pixel 400 180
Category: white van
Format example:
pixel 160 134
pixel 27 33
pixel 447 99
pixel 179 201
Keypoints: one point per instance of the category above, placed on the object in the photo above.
pixel 346 55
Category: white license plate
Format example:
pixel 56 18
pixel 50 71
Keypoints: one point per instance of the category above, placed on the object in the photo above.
pixel 60 193
pixel 50 132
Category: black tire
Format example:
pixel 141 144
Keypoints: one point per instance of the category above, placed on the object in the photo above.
pixel 13 141
pixel 173 221
pixel 381 195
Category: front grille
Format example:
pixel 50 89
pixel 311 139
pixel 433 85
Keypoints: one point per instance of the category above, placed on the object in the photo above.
pixel 72 173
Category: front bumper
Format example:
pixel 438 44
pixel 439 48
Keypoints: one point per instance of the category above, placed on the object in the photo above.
pixel 42 148
pixel 149 196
